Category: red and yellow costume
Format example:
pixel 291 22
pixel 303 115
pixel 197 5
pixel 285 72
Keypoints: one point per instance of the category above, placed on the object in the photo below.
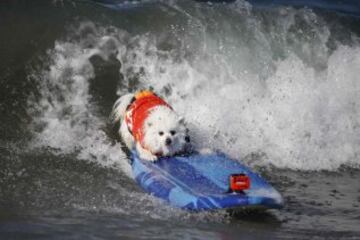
pixel 138 110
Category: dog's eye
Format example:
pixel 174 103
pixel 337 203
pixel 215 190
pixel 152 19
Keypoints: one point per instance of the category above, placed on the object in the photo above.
pixel 172 132
pixel 161 133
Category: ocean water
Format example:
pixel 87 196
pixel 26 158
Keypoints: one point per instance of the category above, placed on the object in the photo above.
pixel 275 85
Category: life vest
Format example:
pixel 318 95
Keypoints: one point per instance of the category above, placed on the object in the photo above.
pixel 138 110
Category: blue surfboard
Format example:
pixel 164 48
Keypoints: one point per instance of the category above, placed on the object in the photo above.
pixel 201 182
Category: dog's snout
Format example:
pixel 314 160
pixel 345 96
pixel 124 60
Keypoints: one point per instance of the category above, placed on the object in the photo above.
pixel 168 141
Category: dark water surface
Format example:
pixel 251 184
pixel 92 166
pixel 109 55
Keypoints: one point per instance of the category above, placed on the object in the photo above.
pixel 274 85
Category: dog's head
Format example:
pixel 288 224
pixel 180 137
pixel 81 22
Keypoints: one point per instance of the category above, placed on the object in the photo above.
pixel 165 132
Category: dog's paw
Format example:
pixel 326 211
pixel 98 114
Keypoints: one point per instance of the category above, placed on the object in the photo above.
pixel 206 151
pixel 151 158
pixel 146 155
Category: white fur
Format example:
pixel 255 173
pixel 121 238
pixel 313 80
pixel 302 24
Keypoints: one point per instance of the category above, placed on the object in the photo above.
pixel 161 119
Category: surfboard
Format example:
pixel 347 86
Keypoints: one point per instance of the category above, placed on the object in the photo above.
pixel 200 182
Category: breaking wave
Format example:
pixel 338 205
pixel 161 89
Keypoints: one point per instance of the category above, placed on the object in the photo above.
pixel 275 89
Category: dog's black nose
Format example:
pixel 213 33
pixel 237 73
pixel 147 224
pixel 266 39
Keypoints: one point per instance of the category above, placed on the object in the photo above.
pixel 167 141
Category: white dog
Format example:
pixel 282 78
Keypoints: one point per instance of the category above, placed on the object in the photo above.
pixel 150 125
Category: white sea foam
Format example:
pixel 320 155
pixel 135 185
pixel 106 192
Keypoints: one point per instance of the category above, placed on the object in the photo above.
pixel 242 89
pixel 68 120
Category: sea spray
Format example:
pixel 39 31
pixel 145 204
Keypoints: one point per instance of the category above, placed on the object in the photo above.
pixel 65 119
pixel 246 86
